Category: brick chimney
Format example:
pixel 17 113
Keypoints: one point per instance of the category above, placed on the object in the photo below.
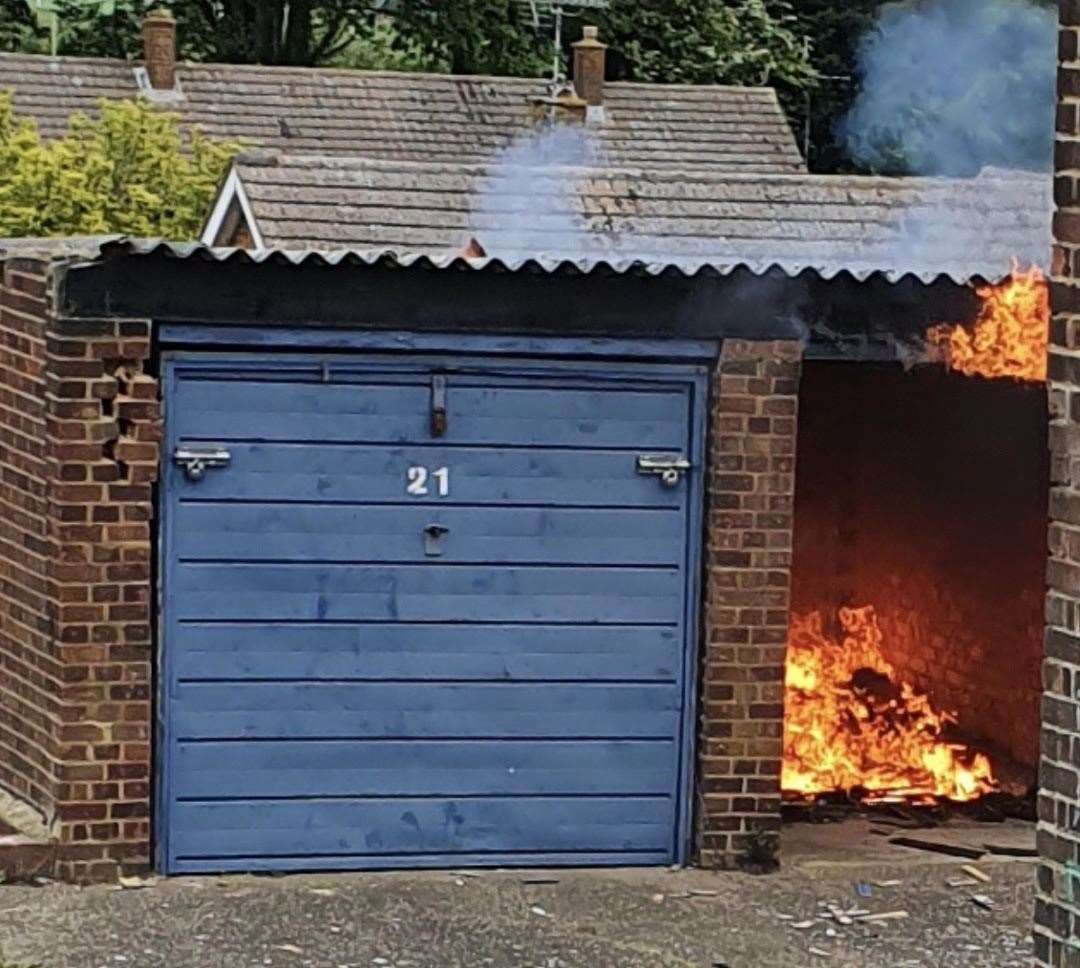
pixel 590 58
pixel 159 49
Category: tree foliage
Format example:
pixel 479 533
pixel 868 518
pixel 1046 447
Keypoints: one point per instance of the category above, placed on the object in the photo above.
pixel 19 28
pixel 834 31
pixel 675 41
pixel 473 36
pixel 707 42
pixel 298 32
pixel 692 41
pixel 128 171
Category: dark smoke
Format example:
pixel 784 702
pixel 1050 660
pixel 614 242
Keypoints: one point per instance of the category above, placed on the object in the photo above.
pixel 948 87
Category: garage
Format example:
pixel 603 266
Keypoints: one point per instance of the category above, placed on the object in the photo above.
pixel 426 611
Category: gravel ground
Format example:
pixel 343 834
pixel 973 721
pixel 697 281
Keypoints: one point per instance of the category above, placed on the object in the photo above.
pixel 589 919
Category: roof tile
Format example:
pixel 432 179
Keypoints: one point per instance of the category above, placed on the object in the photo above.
pixel 691 218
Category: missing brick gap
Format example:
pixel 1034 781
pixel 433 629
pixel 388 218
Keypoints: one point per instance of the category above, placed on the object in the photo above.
pixel 122 373
pixel 109 452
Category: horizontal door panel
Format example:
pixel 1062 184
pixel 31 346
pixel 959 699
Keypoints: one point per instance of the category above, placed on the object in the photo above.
pixel 327 768
pixel 428 710
pixel 421 826
pixel 260 532
pixel 445 652
pixel 522 416
pixel 363 474
pixel 427 592
pixel 427 861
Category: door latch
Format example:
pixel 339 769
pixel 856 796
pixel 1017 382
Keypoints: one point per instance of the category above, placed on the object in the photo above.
pixel 438 406
pixel 433 535
pixel 668 467
pixel 196 460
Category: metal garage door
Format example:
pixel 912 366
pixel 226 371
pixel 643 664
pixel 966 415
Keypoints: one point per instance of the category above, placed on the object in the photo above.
pixel 425 614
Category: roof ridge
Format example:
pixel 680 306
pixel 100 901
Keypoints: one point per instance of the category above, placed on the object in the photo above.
pixel 68 59
pixel 506 79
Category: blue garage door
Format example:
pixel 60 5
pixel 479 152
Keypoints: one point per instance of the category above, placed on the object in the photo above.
pixel 425 614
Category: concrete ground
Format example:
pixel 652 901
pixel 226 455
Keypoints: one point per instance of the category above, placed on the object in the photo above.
pixel 589 919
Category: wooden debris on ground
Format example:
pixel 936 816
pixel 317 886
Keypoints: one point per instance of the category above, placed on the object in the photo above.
pixel 955 882
pixel 885 916
pixel 1005 850
pixel 952 850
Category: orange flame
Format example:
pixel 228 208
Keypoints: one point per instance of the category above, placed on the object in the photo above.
pixel 850 724
pixel 1010 334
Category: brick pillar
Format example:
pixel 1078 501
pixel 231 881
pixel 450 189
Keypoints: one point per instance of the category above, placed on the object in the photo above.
pixel 29 706
pixel 1057 903
pixel 750 492
pixel 104 427
pixel 79 431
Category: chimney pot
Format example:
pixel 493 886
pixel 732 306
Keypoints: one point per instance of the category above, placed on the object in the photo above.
pixel 590 57
pixel 159 49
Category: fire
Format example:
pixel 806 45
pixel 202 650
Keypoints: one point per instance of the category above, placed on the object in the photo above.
pixel 1010 334
pixel 850 724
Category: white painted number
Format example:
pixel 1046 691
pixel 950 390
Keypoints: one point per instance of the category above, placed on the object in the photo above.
pixel 417 481
pixel 417 478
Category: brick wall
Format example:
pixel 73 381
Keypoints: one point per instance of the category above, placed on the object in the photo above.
pixel 1057 905
pixel 30 668
pixel 750 497
pixel 81 512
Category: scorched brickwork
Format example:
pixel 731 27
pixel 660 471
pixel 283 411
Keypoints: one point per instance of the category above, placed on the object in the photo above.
pixel 79 450
pixel 1057 910
pixel 750 513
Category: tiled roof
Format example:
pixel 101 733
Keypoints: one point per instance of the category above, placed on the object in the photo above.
pixel 417 117
pixel 965 229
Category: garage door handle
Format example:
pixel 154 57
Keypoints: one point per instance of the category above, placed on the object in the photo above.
pixel 433 535
pixel 196 460
pixel 668 467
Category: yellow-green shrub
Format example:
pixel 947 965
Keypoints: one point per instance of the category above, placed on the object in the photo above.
pixel 130 170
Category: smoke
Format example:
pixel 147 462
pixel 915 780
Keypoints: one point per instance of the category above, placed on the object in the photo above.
pixel 948 87
pixel 537 198
pixel 529 202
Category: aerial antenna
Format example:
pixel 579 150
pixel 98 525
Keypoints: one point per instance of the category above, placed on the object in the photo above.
pixel 549 14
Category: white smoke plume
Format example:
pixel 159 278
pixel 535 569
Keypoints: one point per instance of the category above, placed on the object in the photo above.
pixel 529 202
pixel 948 87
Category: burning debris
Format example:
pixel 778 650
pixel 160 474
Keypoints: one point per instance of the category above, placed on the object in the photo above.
pixel 1008 338
pixel 851 725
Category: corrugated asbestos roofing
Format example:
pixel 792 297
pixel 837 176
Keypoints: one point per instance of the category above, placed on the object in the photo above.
pixel 104 247
pixel 416 117
pixel 639 219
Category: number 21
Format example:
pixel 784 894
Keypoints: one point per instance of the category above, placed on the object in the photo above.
pixel 418 481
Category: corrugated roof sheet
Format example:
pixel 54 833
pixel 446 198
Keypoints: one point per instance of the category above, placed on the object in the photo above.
pixel 625 219
pixel 103 247
pixel 417 117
